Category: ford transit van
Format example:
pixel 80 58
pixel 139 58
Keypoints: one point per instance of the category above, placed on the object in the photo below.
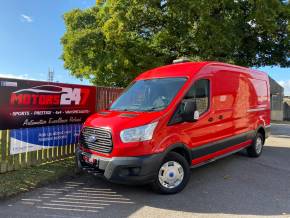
pixel 174 118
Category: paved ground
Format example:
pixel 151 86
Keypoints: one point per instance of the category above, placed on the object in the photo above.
pixel 233 187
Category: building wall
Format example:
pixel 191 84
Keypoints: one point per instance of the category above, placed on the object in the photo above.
pixel 287 108
pixel 277 94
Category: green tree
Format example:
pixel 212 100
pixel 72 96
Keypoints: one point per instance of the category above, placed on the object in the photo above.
pixel 116 40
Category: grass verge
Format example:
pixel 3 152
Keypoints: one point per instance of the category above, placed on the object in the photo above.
pixel 15 182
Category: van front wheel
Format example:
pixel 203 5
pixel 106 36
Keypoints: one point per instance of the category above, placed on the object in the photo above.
pixel 173 174
pixel 255 150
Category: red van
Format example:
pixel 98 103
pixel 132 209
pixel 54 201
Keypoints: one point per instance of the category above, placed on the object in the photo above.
pixel 174 118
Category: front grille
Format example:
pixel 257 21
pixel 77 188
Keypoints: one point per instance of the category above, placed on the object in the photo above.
pixel 97 139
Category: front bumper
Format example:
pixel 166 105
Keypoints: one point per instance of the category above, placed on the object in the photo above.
pixel 124 170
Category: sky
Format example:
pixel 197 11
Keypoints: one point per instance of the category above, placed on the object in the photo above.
pixel 30 33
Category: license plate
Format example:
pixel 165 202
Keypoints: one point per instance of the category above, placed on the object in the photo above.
pixel 90 160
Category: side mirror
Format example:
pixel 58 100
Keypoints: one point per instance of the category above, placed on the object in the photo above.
pixel 189 112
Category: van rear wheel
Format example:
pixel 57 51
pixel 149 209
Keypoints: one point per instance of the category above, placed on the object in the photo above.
pixel 255 150
pixel 173 174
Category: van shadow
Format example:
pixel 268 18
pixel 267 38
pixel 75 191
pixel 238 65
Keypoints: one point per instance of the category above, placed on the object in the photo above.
pixel 236 185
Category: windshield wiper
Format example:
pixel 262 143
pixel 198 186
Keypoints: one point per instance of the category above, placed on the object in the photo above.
pixel 119 109
pixel 155 108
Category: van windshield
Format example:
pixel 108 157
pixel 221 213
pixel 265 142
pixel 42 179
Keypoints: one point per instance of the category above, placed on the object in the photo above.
pixel 148 95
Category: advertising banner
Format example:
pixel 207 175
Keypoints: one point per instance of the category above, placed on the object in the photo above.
pixel 37 138
pixel 28 104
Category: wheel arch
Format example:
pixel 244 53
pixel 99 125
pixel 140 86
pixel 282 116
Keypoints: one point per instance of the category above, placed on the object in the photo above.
pixel 262 130
pixel 181 149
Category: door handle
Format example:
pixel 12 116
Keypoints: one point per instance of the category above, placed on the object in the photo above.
pixel 210 119
pixel 221 117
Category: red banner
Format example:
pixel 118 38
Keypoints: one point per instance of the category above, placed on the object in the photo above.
pixel 27 103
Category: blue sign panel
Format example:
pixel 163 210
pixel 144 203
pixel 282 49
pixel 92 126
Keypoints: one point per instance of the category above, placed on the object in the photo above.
pixel 37 138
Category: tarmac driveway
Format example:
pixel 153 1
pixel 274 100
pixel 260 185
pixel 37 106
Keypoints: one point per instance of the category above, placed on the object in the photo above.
pixel 231 187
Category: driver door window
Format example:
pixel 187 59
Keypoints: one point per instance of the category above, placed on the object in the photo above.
pixel 199 92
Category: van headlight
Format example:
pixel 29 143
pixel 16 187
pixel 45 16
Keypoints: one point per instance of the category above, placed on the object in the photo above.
pixel 138 134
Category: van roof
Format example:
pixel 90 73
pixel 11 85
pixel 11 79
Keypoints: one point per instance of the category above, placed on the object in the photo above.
pixel 188 69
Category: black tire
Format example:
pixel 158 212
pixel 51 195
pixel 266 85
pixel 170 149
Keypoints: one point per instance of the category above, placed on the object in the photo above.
pixel 173 156
pixel 78 170
pixel 252 150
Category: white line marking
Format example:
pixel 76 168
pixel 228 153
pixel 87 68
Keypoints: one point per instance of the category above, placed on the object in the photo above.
pixel 69 205
pixel 97 194
pixel 54 192
pixel 56 189
pixel 79 202
pixel 77 183
pixel 98 200
pixel 27 202
pixel 98 189
pixel 102 197
pixel 107 192
pixel 25 199
pixel 69 209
